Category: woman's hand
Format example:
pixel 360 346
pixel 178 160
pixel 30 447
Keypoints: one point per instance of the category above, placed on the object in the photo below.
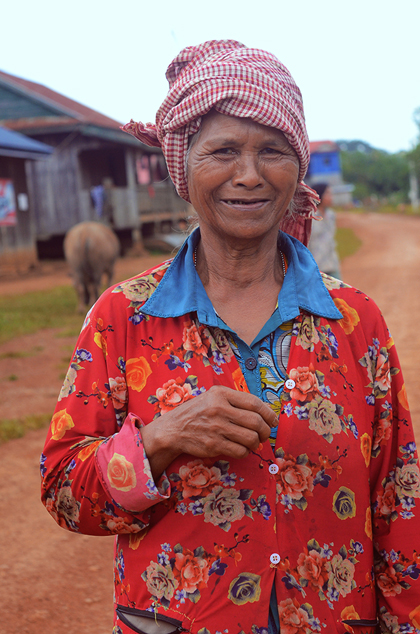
pixel 219 421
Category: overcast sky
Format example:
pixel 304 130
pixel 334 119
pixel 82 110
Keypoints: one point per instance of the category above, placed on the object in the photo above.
pixel 356 63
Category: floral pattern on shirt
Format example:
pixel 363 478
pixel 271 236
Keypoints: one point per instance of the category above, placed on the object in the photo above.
pixel 400 488
pixel 379 372
pixel 309 400
pixel 183 574
pixel 79 357
pixel 138 290
pixel 210 492
pixel 297 477
pixel 395 571
pixel 297 618
pixel 210 346
pixel 203 535
pixel 319 570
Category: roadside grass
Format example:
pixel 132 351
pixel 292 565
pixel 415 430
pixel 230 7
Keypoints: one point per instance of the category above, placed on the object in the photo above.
pixel 347 242
pixel 12 428
pixel 25 314
pixel 402 209
pixel 21 354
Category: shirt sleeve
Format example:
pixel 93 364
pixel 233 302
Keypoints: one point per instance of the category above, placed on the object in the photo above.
pixel 395 491
pixel 96 478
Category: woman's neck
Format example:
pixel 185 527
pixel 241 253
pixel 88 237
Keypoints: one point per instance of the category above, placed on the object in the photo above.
pixel 228 264
pixel 242 283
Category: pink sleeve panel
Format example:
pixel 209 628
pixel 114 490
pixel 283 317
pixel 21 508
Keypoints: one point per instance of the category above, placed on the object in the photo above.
pixel 125 471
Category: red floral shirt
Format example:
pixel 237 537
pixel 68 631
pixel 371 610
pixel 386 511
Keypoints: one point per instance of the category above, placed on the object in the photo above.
pixel 331 517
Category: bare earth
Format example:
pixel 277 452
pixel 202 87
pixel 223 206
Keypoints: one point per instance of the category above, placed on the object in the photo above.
pixel 53 581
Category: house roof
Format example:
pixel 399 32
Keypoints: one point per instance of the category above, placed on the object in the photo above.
pixel 20 146
pixel 58 108
pixel 323 146
pixel 34 110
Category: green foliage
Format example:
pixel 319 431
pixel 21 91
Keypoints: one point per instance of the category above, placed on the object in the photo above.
pixel 25 314
pixel 347 242
pixel 414 157
pixel 20 354
pixel 376 173
pixel 17 427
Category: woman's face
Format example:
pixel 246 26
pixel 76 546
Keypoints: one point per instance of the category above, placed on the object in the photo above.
pixel 241 176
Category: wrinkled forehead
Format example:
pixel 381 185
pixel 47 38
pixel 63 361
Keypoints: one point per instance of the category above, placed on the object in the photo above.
pixel 225 127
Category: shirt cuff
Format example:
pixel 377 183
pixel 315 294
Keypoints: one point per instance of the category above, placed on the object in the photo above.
pixel 125 470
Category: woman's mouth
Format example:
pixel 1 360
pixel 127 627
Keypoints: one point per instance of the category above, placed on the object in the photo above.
pixel 251 204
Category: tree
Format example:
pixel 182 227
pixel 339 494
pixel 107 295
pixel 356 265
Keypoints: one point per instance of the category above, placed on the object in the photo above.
pixel 376 173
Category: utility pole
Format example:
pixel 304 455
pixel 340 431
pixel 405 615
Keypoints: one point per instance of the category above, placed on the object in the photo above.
pixel 413 194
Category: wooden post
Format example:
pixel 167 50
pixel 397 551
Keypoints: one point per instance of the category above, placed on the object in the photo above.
pixel 413 194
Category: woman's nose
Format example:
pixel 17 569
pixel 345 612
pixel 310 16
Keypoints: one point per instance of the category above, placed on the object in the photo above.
pixel 248 173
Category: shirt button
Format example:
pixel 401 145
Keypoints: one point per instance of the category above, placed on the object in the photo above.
pixel 290 384
pixel 273 468
pixel 251 363
pixel 275 558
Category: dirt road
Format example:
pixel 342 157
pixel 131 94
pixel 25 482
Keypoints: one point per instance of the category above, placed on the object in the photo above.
pixel 387 267
pixel 53 581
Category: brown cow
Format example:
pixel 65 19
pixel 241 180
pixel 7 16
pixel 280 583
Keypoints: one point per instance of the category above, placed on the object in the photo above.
pixel 91 249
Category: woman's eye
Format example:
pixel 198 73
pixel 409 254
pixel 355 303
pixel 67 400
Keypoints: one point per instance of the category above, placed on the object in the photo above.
pixel 269 150
pixel 225 151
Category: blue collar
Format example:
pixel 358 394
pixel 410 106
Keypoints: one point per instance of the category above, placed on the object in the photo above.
pixel 181 291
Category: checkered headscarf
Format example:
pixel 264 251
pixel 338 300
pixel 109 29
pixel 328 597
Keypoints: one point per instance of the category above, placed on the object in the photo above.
pixel 237 81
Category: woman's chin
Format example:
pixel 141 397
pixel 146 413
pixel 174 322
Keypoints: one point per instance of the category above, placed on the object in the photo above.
pixel 246 232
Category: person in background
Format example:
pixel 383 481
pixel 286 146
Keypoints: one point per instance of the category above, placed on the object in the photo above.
pixel 236 419
pixel 322 243
pixel 97 194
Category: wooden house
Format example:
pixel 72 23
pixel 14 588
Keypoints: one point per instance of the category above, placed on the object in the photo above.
pixel 17 226
pixel 96 171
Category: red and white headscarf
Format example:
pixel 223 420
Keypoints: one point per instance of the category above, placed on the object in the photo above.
pixel 226 76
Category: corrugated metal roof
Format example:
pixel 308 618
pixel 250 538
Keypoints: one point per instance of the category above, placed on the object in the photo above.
pixel 20 146
pixel 118 136
pixel 67 106
pixel 35 124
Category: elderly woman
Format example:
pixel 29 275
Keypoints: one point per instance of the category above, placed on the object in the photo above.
pixel 238 420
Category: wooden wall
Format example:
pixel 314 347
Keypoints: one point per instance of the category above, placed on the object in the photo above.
pixel 17 242
pixel 61 186
pixel 55 185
